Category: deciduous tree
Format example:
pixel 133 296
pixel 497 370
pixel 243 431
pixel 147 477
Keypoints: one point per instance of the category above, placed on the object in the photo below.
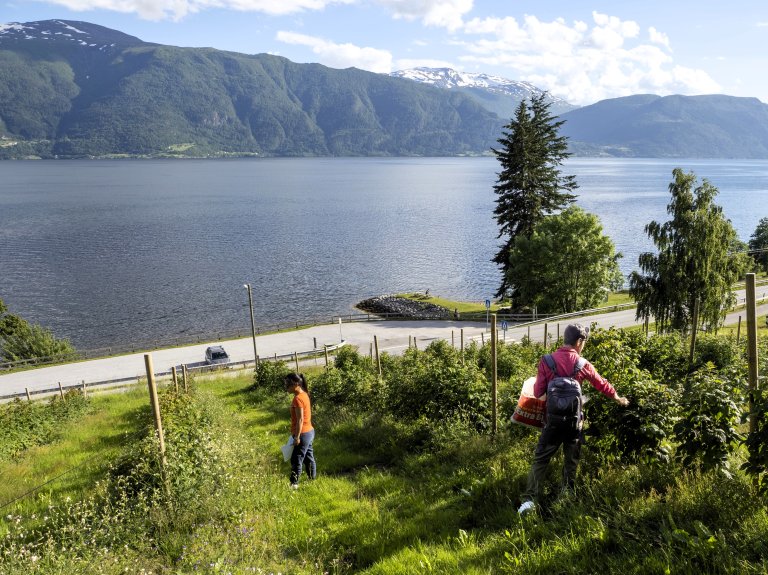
pixel 529 185
pixel 20 340
pixel 695 260
pixel 567 264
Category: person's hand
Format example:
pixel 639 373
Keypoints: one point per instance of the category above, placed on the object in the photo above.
pixel 297 440
pixel 622 401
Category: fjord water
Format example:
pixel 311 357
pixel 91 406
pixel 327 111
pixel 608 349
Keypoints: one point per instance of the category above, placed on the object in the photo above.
pixel 117 252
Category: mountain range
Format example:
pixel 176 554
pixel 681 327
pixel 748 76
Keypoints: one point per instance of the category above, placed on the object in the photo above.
pixel 74 89
pixel 499 95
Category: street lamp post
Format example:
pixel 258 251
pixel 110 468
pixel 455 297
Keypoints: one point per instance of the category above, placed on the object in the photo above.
pixel 253 325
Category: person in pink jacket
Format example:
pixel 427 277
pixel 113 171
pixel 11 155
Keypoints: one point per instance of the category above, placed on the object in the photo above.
pixel 559 432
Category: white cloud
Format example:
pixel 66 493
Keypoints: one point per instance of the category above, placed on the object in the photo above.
pixel 440 13
pixel 582 62
pixel 341 55
pixel 658 37
pixel 178 9
pixel 408 63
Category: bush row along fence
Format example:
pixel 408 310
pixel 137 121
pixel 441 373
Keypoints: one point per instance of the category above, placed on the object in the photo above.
pixel 206 337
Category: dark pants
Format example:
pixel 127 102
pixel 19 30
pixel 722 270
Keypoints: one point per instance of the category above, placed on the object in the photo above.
pixel 552 437
pixel 301 453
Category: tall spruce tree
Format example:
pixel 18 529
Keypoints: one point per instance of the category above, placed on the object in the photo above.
pixel 695 260
pixel 529 185
pixel 758 244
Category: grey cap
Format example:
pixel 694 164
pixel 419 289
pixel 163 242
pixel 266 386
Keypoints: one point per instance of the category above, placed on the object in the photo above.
pixel 574 332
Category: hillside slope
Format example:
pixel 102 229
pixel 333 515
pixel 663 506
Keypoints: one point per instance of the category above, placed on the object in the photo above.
pixel 73 89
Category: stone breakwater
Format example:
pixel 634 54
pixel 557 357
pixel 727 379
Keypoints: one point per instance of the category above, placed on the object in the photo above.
pixel 403 307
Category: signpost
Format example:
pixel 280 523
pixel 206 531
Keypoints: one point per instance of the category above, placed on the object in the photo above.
pixel 504 327
pixel 487 312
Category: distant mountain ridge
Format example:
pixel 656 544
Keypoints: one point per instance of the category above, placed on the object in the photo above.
pixel 646 125
pixel 500 95
pixel 74 89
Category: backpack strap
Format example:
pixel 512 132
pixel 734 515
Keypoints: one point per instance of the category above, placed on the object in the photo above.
pixel 550 361
pixel 578 366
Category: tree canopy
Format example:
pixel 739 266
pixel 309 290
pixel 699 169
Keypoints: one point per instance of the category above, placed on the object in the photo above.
pixel 695 260
pixel 529 185
pixel 20 340
pixel 567 264
pixel 758 244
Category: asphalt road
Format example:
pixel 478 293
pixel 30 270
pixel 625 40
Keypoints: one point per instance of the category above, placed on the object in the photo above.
pixel 393 337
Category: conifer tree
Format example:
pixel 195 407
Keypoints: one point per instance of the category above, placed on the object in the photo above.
pixel 529 185
pixel 695 260
pixel 758 244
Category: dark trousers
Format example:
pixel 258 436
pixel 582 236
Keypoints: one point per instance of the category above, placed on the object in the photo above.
pixel 552 437
pixel 303 453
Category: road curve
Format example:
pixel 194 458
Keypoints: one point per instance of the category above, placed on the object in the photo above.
pixel 393 337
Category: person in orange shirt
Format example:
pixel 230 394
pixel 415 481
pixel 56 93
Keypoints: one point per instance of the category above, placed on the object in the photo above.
pixel 301 428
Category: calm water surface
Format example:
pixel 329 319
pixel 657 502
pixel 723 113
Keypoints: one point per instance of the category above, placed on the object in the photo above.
pixel 117 252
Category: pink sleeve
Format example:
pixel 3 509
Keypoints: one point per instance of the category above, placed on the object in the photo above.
pixel 598 381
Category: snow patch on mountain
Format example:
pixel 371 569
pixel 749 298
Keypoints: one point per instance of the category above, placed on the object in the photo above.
pixel 447 78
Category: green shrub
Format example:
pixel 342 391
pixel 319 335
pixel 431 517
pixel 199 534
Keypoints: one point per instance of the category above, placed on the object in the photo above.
pixel 24 424
pixel 640 431
pixel 706 431
pixel 435 384
pixel 269 376
pixel 720 351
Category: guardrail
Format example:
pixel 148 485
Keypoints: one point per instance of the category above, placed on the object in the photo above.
pixel 134 380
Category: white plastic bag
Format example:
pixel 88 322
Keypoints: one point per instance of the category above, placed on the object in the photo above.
pixel 287 449
pixel 530 410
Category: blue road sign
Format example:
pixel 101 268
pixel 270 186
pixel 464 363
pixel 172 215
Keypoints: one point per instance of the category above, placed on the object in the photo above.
pixel 487 304
pixel 504 325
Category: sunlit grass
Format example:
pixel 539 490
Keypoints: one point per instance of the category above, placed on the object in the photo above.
pixel 448 512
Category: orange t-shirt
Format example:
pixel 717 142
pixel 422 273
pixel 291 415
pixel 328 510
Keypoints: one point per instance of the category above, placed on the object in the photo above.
pixel 302 401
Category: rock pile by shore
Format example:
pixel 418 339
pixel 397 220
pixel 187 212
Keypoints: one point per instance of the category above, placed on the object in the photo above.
pixel 403 307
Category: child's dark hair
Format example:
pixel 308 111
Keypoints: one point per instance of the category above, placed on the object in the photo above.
pixel 298 379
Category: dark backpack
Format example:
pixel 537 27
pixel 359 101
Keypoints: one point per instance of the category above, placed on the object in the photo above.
pixel 564 399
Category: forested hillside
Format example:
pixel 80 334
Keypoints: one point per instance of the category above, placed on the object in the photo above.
pixel 73 89
pixel 645 125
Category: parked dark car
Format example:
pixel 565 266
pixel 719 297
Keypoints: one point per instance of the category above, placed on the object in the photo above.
pixel 216 354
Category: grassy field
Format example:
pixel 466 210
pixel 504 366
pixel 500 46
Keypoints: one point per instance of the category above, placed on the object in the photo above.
pixel 377 507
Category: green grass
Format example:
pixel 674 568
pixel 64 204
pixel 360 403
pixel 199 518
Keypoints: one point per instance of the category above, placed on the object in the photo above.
pixel 87 446
pixel 451 511
pixel 616 298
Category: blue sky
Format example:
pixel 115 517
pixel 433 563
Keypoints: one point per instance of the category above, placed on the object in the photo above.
pixel 580 51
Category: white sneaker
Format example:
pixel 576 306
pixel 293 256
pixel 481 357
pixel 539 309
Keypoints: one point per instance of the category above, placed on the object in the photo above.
pixel 294 486
pixel 526 507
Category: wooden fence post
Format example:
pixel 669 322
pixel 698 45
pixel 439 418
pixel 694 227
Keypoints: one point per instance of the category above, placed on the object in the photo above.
pixel 29 397
pixel 175 379
pixel 296 360
pixel 738 332
pixel 752 349
pixel 494 374
pixel 545 335
pixel 155 407
pixel 185 374
pixel 85 390
pixel 462 346
pixel 61 391
pixel 453 340
pixel 694 330
pixel 325 349
pixel 378 357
